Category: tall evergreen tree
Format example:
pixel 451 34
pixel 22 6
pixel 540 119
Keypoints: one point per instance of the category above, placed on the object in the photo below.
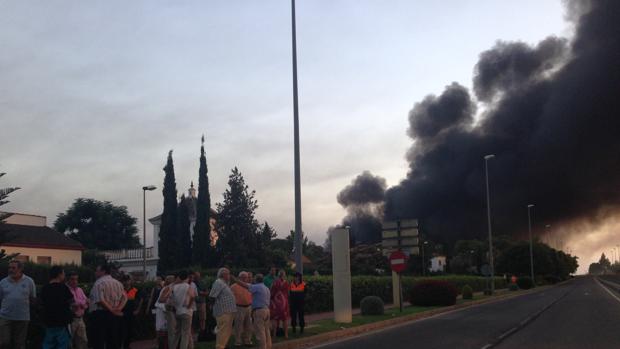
pixel 184 231
pixel 4 195
pixel 236 225
pixel 201 247
pixel 168 237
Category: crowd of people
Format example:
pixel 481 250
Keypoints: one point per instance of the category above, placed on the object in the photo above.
pixel 248 307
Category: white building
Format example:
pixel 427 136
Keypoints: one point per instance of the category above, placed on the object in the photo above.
pixel 438 264
pixel 131 260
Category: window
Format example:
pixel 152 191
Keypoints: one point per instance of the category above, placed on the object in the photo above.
pixel 44 260
pixel 22 258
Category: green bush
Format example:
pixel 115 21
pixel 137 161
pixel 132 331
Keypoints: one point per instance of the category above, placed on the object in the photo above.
pixel 467 292
pixel 372 305
pixel 40 272
pixel 433 293
pixel 513 287
pixel 319 295
pixel 551 279
pixel 525 282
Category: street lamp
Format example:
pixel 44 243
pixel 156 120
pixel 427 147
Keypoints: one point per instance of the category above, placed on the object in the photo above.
pixel 144 189
pixel 423 262
pixel 529 226
pixel 486 170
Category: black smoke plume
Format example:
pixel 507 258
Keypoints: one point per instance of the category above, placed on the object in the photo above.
pixel 550 114
pixel 363 199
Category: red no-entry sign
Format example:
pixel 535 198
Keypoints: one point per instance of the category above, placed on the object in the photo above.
pixel 398 261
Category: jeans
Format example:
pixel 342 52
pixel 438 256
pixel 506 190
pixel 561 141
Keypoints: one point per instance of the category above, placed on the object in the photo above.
pixel 57 338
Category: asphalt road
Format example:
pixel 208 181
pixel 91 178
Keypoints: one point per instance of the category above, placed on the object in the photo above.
pixel 578 314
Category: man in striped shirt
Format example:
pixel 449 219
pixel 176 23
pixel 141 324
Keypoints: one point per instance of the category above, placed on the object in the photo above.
pixel 224 307
pixel 107 299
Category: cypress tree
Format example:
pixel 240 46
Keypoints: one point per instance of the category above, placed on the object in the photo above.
pixel 184 231
pixel 201 245
pixel 168 237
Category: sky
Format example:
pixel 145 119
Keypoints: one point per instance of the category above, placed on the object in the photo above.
pixel 93 95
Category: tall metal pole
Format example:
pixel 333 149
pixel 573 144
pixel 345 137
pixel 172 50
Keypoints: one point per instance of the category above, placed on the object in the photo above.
pixel 298 231
pixel 423 262
pixel 529 226
pixel 144 234
pixel 486 169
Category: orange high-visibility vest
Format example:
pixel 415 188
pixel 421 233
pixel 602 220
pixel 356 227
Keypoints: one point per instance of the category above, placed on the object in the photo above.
pixel 298 287
pixel 131 294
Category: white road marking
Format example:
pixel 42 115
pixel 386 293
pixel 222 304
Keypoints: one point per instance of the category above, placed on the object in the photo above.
pixel 607 290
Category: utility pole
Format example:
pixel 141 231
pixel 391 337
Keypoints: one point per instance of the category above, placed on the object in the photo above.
pixel 529 226
pixel 486 169
pixel 298 231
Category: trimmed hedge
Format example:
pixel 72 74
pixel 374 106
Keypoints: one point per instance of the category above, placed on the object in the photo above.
pixel 372 305
pixel 467 292
pixel 319 294
pixel 525 282
pixel 40 272
pixel 433 293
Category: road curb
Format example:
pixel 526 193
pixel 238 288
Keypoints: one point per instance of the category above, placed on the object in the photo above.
pixel 379 325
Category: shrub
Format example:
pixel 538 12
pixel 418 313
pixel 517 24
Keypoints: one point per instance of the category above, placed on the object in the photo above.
pixel 525 282
pixel 40 272
pixel 513 287
pixel 372 305
pixel 552 279
pixel 468 292
pixel 432 293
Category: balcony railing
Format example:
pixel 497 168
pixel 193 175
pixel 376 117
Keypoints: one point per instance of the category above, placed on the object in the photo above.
pixel 135 253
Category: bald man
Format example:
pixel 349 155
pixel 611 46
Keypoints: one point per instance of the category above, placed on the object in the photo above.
pixel 243 316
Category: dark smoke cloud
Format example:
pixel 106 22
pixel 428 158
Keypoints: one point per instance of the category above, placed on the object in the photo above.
pixel 454 108
pixel 365 189
pixel 515 65
pixel 552 118
pixel 363 200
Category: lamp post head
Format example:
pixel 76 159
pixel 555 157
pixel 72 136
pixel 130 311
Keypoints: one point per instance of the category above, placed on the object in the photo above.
pixel 490 156
pixel 530 205
pixel 149 187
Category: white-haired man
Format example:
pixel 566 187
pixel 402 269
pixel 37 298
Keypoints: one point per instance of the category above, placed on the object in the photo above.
pixel 243 316
pixel 224 307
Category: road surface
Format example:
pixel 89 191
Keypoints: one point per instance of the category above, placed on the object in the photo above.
pixel 577 314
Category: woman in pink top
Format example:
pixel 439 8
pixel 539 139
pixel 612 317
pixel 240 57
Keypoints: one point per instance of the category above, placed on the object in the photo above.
pixel 79 306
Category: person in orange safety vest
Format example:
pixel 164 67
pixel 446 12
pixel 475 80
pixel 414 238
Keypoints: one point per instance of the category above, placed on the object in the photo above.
pixel 297 296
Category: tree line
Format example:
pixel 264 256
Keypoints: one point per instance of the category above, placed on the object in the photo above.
pixel 239 239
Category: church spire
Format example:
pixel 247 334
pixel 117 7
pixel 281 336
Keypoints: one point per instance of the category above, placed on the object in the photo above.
pixel 192 191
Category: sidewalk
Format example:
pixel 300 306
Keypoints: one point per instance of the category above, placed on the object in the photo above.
pixel 152 343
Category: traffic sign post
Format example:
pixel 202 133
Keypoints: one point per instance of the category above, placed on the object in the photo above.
pixel 400 239
pixel 398 263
